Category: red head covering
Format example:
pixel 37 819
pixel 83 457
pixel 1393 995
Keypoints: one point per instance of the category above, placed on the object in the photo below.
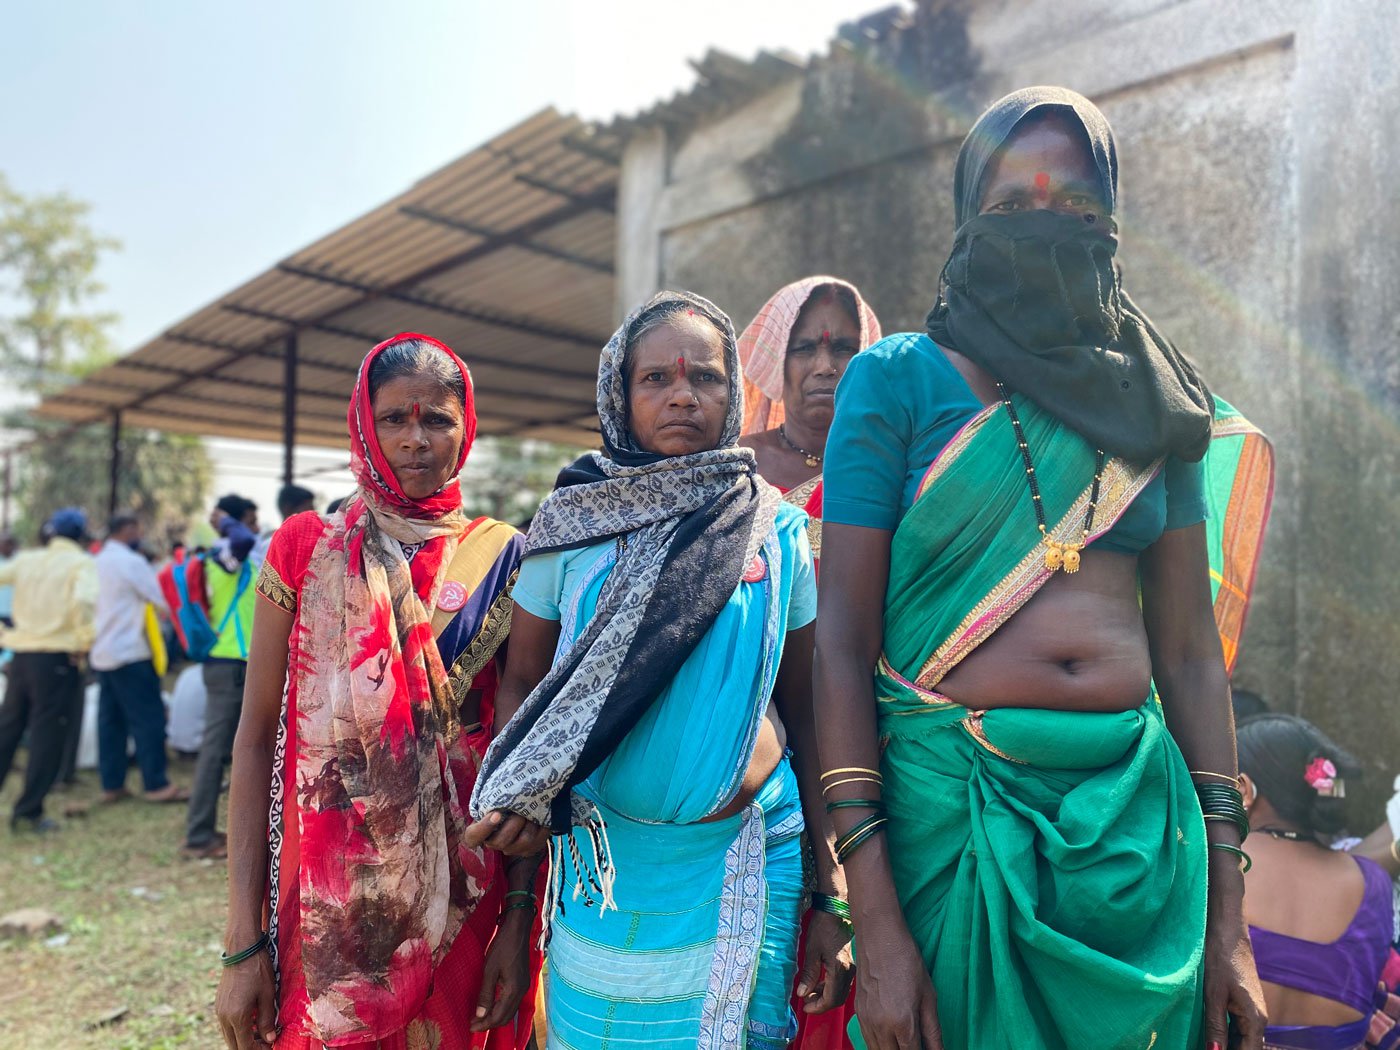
pixel 367 461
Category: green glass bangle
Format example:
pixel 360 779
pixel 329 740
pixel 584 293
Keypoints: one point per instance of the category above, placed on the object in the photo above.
pixel 247 953
pixel 521 893
pixel 1224 802
pixel 853 803
pixel 831 905
pixel 1245 862
pixel 857 829
pixel 859 835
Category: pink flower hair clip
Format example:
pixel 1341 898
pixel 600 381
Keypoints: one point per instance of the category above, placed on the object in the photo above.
pixel 1321 776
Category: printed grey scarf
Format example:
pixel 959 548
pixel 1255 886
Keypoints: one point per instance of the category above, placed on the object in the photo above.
pixel 687 529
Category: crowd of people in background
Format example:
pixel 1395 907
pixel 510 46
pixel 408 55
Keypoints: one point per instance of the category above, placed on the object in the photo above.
pixel 85 617
pixel 922 640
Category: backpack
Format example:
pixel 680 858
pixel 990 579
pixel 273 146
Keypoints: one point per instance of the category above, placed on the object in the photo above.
pixel 190 607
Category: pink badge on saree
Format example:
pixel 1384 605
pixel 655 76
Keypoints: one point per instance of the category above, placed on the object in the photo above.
pixel 452 596
pixel 757 570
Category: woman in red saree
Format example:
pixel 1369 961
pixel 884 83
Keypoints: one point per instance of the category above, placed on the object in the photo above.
pixel 358 916
pixel 793 354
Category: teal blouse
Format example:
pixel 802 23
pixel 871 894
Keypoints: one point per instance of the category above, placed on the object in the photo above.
pixel 901 402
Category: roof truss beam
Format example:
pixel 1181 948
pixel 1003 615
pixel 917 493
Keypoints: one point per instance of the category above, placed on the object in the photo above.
pixel 534 247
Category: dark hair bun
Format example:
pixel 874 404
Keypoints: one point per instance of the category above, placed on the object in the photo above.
pixel 1276 750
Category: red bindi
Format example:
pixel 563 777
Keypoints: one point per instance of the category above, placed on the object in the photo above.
pixel 680 363
pixel 1042 184
pixel 415 408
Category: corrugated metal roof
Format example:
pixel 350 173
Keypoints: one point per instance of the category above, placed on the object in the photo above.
pixel 505 254
pixel 724 82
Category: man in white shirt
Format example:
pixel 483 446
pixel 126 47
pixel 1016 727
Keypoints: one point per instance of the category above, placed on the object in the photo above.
pixel 130 705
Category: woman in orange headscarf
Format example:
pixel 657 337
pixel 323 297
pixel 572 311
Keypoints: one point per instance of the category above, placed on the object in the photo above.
pixel 793 354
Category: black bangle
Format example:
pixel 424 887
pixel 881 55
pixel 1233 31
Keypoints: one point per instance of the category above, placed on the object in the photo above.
pixel 247 953
pixel 519 904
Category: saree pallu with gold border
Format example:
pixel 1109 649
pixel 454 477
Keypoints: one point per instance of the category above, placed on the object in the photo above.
pixel 1050 864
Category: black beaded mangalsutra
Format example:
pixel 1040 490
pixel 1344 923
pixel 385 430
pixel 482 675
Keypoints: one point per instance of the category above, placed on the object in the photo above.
pixel 813 460
pixel 1058 556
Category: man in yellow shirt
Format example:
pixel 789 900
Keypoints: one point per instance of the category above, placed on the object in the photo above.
pixel 55 601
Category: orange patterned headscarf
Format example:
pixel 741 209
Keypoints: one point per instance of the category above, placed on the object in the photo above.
pixel 764 344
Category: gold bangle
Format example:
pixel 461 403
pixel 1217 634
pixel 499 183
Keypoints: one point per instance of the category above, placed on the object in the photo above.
pixel 1393 853
pixel 1220 776
pixel 851 780
pixel 850 769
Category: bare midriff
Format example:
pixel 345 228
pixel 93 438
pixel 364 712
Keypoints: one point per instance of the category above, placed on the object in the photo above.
pixel 767 753
pixel 1078 645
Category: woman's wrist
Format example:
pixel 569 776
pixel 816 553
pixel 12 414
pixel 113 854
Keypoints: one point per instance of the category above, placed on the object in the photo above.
pixel 516 921
pixel 829 878
pixel 239 933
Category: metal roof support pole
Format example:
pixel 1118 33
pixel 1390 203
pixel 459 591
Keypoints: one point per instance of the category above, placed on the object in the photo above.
pixel 114 464
pixel 289 408
pixel 9 482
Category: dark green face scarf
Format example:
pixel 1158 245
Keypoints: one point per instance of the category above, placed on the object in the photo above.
pixel 1035 299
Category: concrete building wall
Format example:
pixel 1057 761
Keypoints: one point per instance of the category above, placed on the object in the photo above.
pixel 1258 141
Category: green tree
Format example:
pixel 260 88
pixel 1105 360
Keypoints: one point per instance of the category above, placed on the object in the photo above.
pixel 48 270
pixel 51 334
pixel 505 478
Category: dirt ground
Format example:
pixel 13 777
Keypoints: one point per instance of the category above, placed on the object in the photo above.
pixel 142 927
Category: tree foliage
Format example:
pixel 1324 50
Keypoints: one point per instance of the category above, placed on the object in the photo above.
pixel 505 478
pixel 51 333
pixel 48 271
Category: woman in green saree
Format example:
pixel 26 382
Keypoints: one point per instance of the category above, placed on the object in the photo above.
pixel 1014 741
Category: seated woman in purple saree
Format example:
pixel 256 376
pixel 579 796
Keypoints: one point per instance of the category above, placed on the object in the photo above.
pixel 1321 921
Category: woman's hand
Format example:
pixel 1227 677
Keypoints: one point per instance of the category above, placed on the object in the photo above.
pixel 246 1004
pixel 827 967
pixel 506 975
pixel 1232 983
pixel 895 1002
pixel 508 833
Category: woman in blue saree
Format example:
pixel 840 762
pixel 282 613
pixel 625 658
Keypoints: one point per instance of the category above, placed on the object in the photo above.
pixel 661 660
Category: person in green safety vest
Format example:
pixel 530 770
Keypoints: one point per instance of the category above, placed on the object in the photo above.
pixel 228 580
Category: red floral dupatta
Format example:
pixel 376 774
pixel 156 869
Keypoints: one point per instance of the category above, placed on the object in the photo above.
pixel 385 879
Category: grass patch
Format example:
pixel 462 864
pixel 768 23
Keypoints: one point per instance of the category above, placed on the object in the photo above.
pixel 156 953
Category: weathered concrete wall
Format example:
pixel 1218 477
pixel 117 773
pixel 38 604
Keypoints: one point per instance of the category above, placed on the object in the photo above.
pixel 1258 141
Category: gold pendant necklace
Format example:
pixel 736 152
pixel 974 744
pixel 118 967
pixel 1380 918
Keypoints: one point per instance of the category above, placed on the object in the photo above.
pixel 813 460
pixel 1058 556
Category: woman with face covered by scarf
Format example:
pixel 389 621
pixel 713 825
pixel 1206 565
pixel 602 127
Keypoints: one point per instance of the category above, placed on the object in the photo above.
pixel 661 656
pixel 1027 856
pixel 371 680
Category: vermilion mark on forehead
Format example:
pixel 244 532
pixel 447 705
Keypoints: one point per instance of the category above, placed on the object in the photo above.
pixel 416 409
pixel 680 363
pixel 1042 184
